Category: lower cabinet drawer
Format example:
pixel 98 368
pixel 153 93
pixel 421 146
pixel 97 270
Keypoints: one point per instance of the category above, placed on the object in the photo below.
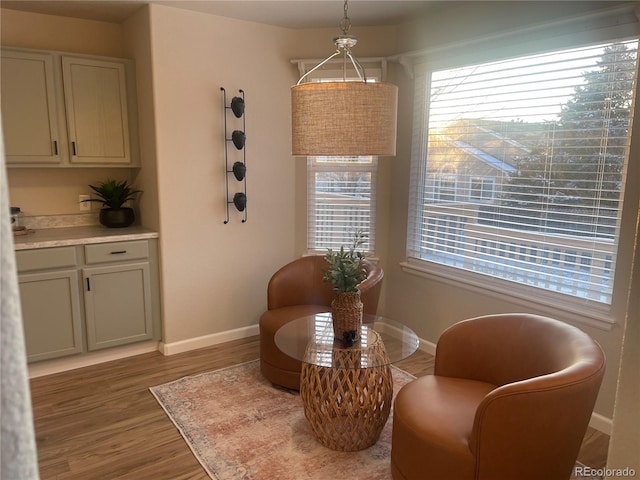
pixel 45 258
pixel 116 252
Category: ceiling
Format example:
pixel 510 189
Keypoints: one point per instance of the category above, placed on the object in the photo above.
pixel 283 13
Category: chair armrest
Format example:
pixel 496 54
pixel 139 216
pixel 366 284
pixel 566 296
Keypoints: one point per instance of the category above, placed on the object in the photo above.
pixel 557 406
pixel 370 287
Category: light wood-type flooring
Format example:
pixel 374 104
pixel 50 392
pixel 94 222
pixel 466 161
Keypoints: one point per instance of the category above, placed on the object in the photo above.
pixel 101 422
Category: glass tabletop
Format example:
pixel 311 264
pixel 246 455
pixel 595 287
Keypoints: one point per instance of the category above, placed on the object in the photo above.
pixel 310 339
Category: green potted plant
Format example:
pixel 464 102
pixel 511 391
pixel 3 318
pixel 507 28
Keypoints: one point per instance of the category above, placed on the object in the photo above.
pixel 113 195
pixel 345 271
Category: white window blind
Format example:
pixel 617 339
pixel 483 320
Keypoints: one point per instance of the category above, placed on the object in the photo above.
pixel 341 191
pixel 341 200
pixel 539 146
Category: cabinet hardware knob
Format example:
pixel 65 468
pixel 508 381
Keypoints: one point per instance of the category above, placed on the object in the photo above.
pixel 88 284
pixel 55 147
pixel 73 147
pixel 118 252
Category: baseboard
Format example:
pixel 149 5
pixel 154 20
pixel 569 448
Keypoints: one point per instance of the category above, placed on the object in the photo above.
pixel 50 367
pixel 427 347
pixel 208 340
pixel 601 423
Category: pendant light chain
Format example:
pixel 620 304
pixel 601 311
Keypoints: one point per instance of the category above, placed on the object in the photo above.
pixel 345 24
pixel 343 45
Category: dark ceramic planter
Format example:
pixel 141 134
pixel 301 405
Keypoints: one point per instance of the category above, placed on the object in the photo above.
pixel 117 217
pixel 239 170
pixel 237 106
pixel 240 201
pixel 238 137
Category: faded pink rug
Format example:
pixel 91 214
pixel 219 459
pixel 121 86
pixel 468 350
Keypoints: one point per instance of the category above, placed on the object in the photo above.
pixel 240 427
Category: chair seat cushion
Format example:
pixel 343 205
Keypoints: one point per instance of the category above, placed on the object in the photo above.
pixel 432 421
pixel 277 367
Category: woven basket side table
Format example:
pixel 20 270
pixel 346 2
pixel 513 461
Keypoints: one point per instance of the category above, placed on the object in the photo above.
pixel 347 402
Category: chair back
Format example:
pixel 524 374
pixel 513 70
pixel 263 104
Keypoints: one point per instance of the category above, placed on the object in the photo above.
pixel 300 283
pixel 506 348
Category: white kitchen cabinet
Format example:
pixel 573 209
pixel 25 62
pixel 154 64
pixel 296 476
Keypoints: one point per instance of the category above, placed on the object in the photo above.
pixel 117 296
pixel 29 108
pixel 84 298
pixel 51 314
pixel 50 301
pixel 95 95
pixel 64 110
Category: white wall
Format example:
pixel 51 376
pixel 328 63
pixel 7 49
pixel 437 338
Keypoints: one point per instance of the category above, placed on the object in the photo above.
pixel 137 45
pixel 430 306
pixel 215 275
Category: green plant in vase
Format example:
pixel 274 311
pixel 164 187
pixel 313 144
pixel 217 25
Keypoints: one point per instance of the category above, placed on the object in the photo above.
pixel 113 195
pixel 345 272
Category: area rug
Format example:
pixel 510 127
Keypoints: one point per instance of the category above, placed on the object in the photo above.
pixel 240 427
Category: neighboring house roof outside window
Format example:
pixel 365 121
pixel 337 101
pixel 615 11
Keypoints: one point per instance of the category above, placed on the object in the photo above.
pixel 484 157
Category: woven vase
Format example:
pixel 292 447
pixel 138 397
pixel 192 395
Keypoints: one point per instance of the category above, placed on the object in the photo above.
pixel 346 312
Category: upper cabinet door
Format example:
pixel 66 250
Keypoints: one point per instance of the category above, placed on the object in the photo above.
pixel 29 112
pixel 96 104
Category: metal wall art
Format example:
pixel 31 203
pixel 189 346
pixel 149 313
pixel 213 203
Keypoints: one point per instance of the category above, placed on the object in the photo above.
pixel 238 156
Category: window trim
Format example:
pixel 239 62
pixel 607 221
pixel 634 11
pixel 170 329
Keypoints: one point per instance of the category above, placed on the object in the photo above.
pixel 548 302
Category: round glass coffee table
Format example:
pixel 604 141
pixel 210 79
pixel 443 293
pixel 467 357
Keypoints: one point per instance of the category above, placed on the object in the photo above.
pixel 346 391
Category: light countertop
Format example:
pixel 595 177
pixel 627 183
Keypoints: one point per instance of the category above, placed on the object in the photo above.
pixel 59 237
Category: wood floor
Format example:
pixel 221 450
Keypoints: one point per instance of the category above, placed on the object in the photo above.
pixel 101 422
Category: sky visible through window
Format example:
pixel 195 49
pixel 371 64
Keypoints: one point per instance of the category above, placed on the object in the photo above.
pixel 547 82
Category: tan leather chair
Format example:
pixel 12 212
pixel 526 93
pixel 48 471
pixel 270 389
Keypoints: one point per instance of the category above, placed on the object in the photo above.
pixel 297 290
pixel 510 399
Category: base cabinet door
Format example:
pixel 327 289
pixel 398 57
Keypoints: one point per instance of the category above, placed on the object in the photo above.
pixel 51 314
pixel 117 305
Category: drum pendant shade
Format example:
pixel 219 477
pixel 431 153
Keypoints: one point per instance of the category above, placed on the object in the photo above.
pixel 347 118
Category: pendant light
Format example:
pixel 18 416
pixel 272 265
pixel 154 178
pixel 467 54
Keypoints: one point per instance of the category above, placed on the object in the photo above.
pixel 343 118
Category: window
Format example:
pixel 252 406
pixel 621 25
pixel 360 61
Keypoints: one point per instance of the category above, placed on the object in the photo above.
pixel 541 144
pixel 341 200
pixel 482 189
pixel 447 187
pixel 341 191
